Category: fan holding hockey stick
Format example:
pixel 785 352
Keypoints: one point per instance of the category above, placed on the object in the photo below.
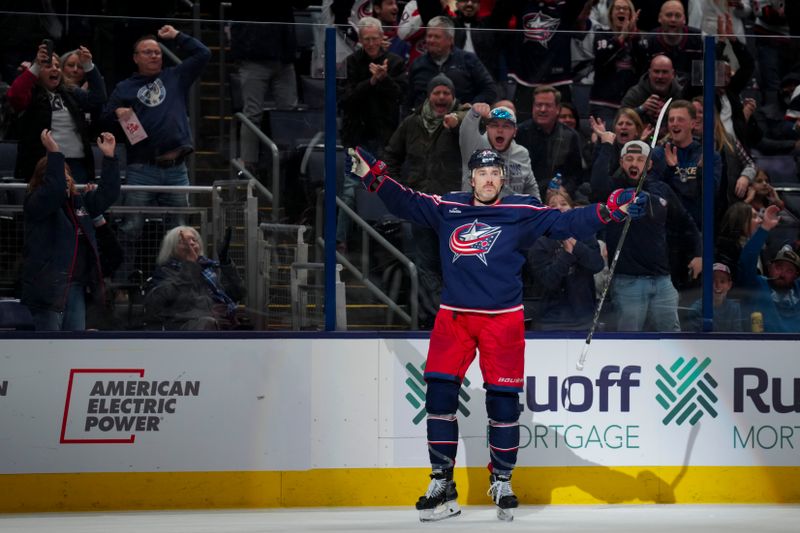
pixel 639 174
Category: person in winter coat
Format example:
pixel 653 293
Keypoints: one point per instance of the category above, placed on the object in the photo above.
pixel 471 81
pixel 654 88
pixel 370 99
pixel 42 100
pixel 61 263
pixel 424 154
pixel 565 269
pixel 189 291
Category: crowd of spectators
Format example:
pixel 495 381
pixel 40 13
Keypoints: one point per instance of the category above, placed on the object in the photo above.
pixel 430 81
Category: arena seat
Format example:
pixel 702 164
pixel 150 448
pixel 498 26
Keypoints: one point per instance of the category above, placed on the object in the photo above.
pixel 780 168
pixel 8 159
pixel 15 316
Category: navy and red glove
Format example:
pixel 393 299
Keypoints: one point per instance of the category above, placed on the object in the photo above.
pixel 624 203
pixel 365 167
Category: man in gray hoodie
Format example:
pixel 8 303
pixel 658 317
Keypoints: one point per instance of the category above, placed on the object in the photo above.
pixel 501 127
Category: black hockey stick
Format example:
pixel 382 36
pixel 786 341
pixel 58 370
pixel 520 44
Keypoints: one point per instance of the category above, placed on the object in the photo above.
pixel 625 228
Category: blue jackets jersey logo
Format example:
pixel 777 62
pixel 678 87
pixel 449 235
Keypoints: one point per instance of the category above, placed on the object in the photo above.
pixel 153 93
pixel 475 239
pixel 539 27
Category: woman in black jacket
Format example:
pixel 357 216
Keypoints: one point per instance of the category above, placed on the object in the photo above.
pixel 42 100
pixel 61 265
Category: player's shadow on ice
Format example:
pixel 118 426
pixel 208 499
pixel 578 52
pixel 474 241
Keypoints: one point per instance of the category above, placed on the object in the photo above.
pixel 601 482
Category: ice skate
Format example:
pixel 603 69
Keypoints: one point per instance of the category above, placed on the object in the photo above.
pixel 503 496
pixel 439 501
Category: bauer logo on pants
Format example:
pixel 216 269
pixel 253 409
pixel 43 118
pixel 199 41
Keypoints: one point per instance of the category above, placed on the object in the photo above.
pixel 112 406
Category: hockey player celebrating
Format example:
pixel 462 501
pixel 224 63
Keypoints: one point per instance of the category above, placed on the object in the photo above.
pixel 482 243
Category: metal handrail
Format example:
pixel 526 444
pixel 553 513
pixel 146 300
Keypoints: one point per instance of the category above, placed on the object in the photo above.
pixel 187 189
pixel 341 311
pixel 411 318
pixel 274 194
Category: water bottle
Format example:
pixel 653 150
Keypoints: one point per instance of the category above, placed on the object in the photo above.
pixel 757 322
pixel 555 183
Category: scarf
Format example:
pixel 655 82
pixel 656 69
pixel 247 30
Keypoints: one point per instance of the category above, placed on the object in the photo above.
pixel 429 119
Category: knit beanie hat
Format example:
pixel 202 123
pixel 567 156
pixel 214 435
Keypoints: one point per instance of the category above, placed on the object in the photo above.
pixel 440 79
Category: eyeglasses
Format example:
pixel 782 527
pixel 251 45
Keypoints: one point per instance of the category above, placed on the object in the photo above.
pixel 149 53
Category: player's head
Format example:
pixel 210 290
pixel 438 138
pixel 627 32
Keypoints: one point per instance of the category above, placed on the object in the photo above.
pixel 486 175
pixel 632 159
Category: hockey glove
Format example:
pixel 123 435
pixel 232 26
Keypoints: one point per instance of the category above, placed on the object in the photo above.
pixel 364 166
pixel 624 203
pixel 638 208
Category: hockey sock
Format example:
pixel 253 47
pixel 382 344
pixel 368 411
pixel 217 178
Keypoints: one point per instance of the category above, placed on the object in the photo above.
pixel 441 402
pixel 503 411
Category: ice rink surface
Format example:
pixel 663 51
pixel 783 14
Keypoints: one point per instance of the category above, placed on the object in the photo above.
pixel 560 518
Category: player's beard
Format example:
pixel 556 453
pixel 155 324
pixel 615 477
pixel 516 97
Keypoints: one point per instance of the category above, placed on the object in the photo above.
pixel 487 202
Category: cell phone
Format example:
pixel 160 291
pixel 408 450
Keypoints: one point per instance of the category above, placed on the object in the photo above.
pixel 49 44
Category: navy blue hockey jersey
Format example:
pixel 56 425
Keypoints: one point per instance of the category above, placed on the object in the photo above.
pixel 483 247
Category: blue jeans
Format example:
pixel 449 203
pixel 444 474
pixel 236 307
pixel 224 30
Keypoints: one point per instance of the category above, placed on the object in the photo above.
pixel 131 229
pixel 74 316
pixel 645 300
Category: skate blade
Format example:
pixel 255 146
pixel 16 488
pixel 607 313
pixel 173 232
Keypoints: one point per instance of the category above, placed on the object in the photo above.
pixel 440 512
pixel 506 515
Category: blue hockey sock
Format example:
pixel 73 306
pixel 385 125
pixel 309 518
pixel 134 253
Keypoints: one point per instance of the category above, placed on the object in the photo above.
pixel 503 411
pixel 441 402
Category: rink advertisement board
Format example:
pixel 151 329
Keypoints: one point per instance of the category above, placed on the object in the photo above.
pixel 647 402
pixel 309 409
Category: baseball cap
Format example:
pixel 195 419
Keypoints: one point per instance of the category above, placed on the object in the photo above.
pixel 635 147
pixel 722 267
pixel 502 113
pixel 786 253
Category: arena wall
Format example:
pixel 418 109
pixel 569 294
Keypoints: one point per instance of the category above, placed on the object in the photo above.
pixel 175 423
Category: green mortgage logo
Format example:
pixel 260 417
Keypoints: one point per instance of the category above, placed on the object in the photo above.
pixel 687 391
pixel 416 395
